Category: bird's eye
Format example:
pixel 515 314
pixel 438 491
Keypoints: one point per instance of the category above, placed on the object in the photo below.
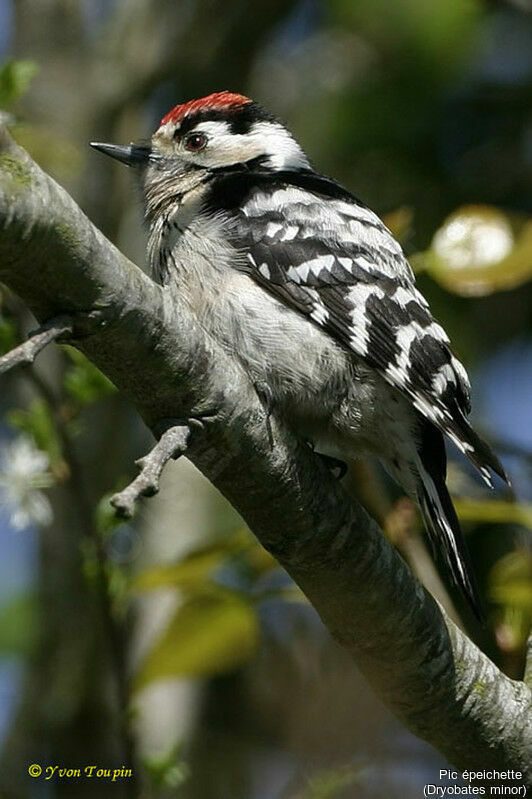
pixel 195 142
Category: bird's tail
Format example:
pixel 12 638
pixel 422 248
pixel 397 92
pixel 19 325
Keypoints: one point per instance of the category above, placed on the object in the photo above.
pixel 440 516
pixel 479 453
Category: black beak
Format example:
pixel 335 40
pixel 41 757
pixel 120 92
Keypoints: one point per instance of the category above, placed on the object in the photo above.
pixel 130 154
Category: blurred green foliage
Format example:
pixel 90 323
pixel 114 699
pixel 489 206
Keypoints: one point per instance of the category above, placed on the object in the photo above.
pixel 331 783
pixel 198 567
pixel 15 79
pixel 105 518
pixel 510 589
pixel 494 511
pixel 213 631
pixel 186 648
pixel 434 33
pixel 49 148
pixel 511 584
pixel 189 646
pixel 83 381
pixel 19 625
pixel 167 771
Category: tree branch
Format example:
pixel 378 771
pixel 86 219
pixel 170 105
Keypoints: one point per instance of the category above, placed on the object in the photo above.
pixel 27 352
pixel 420 664
pixel 172 444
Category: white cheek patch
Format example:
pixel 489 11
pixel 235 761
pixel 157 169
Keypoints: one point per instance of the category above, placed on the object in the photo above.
pixel 266 139
pixel 273 140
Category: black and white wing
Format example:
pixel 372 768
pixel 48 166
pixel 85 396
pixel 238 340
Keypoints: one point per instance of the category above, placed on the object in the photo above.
pixel 312 244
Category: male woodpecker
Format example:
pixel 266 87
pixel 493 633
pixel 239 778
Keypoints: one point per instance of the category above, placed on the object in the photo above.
pixel 308 289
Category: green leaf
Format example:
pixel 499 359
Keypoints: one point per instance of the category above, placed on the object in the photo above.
pixel 494 511
pixel 187 573
pixel 195 568
pixel 479 250
pixel 83 381
pixel 212 633
pixel 18 625
pixel 15 79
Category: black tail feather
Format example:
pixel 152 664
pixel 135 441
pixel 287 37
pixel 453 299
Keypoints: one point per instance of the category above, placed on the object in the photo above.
pixel 446 536
pixel 478 451
pixel 440 516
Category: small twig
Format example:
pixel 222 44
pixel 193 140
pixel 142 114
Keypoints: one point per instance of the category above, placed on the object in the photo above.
pixel 27 352
pixel 172 444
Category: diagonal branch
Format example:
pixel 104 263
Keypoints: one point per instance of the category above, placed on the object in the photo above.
pixel 426 670
pixel 27 352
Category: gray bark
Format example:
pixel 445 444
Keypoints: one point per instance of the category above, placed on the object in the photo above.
pixel 420 664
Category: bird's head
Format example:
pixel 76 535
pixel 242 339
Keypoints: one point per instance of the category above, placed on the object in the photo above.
pixel 218 132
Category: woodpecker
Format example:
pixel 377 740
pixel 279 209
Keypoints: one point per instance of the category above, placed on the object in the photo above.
pixel 306 287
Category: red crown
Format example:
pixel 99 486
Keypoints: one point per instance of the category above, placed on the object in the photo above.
pixel 213 102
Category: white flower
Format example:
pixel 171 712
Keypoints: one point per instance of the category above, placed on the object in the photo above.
pixel 24 471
